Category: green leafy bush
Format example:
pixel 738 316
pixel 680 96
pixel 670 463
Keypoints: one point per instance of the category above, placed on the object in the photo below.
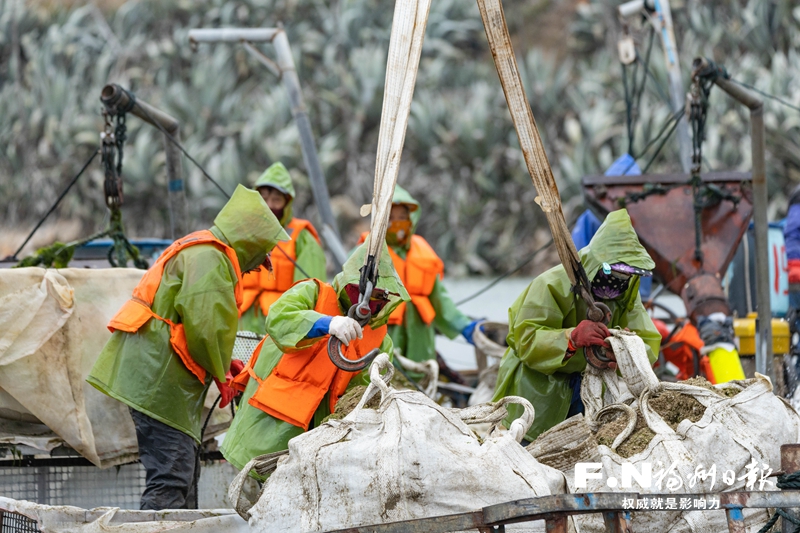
pixel 461 159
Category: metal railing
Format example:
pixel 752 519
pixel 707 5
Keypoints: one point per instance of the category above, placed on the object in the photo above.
pixel 616 508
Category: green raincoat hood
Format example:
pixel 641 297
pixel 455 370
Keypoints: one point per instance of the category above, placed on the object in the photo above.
pixel 387 280
pixel 249 227
pixel 402 196
pixel 615 242
pixel 278 177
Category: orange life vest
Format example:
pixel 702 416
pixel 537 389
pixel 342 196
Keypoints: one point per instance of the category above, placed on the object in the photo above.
pixel 266 287
pixel 137 311
pixel 418 272
pixel 681 347
pixel 297 385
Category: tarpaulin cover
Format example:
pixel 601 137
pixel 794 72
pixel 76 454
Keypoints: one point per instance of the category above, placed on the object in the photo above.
pixel 52 328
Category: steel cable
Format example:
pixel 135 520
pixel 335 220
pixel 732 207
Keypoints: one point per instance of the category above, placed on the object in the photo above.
pixel 180 147
pixel 55 204
pixel 763 93
pixel 674 117
pixel 206 174
pixel 505 275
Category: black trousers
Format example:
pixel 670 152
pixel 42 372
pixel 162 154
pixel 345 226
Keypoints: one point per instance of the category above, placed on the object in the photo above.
pixel 172 462
pixel 576 404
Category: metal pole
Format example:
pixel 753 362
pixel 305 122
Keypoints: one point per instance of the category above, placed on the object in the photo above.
pixel 318 186
pixel 735 520
pixel 264 60
pixel 113 96
pixel 760 202
pixel 617 522
pixel 285 69
pixel 662 21
pixel 555 524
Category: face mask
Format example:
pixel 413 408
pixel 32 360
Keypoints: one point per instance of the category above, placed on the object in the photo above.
pixel 267 264
pixel 377 301
pixel 610 286
pixel 278 213
pixel 398 232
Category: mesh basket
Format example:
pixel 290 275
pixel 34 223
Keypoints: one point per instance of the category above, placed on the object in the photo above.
pixel 17 523
pixel 246 342
pixel 78 485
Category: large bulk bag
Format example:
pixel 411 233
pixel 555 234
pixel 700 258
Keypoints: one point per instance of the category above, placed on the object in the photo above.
pixel 490 345
pixel 408 458
pixel 733 427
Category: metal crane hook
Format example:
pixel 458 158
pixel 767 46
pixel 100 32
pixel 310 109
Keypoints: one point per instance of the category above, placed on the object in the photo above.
pixel 599 352
pixel 361 313
pixel 597 312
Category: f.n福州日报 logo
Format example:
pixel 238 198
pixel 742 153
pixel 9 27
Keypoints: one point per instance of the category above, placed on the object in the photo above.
pixel 673 478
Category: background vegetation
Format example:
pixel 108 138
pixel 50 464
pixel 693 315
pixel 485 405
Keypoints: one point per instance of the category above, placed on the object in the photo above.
pixel 461 160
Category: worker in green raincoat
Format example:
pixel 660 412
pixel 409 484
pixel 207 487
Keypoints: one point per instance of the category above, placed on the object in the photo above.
pixel 176 335
pixel 300 258
pixel 548 328
pixel 293 384
pixel 413 326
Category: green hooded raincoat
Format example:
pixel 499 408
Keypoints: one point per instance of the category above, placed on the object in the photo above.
pixel 197 290
pixel 415 339
pixel 543 317
pixel 309 254
pixel 253 431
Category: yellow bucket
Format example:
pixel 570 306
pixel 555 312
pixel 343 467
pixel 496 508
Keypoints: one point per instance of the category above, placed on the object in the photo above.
pixel 725 364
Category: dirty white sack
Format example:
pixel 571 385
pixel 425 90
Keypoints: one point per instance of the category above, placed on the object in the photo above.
pixel 429 383
pixel 409 458
pixel 67 519
pixel 52 328
pixel 487 380
pixel 734 432
pixel 488 337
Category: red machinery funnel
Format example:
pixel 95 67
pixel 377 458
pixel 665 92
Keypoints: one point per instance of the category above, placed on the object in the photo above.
pixel 664 219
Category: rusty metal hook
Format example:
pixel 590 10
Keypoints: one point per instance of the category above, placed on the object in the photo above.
pixel 596 355
pixel 361 313
pixel 592 313
pixel 349 365
pixel 597 311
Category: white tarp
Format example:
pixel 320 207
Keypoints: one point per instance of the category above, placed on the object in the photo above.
pixel 66 519
pixel 52 328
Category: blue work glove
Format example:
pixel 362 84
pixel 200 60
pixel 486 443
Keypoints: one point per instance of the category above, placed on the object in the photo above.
pixel 469 330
